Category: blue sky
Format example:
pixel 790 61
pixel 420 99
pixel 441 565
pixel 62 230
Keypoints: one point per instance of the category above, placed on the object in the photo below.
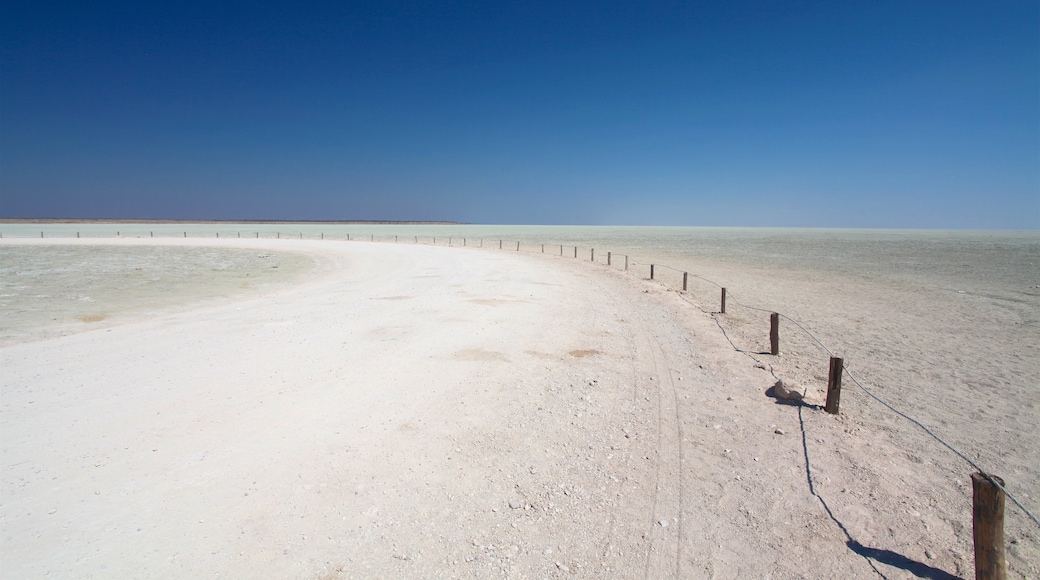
pixel 805 114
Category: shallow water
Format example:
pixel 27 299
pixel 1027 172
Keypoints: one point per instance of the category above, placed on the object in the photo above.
pixel 47 290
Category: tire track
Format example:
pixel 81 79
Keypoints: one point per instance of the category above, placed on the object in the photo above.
pixel 666 531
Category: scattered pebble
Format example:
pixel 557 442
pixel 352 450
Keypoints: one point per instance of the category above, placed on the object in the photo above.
pixel 515 504
pixel 663 523
pixel 929 554
pixel 779 431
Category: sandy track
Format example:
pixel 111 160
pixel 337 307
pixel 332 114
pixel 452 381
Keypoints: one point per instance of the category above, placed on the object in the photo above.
pixel 412 411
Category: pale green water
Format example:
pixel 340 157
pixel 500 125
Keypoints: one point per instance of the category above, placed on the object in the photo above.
pixel 952 258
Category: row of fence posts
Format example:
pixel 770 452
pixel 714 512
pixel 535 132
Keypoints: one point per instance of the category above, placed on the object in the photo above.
pixel 987 495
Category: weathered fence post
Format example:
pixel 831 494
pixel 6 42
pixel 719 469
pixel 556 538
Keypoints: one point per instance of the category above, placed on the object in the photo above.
pixel 518 246
pixel 258 236
pixel 301 235
pixel 279 235
pixel 651 271
pixel 218 234
pixel 626 263
pixel 834 385
pixel 987 515
pixel 684 281
pixel 543 248
pixel 464 242
pixel 608 258
pixel 774 334
pixel 373 237
pixel 150 234
pixel 395 238
pixel 723 309
pixel 499 244
pixel 561 249
pixel 592 254
pixel 185 234
pixel 575 251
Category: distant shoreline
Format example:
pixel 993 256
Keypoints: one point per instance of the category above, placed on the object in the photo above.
pixel 167 221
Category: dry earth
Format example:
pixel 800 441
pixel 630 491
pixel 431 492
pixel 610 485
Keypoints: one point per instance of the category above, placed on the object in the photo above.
pixel 407 411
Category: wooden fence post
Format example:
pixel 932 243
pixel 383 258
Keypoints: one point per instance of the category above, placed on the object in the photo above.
pixel 185 234
pixel 258 235
pixel 834 385
pixel 608 258
pixel 499 244
pixel 575 251
pixel 518 246
pixel 651 271
pixel 723 309
pixel 592 254
pixel 626 263
pixel 987 515
pixel 373 237
pixel 543 248
pixel 774 334
pixel 685 276
pixel 561 249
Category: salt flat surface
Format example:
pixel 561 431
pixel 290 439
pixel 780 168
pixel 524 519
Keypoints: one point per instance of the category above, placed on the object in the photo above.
pixel 420 411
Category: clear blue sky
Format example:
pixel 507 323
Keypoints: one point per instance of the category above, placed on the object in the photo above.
pixel 831 114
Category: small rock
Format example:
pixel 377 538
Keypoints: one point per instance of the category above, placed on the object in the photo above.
pixel 729 398
pixel 663 523
pixel 563 567
pixel 515 504
pixel 929 554
pixel 779 431
pixel 788 392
